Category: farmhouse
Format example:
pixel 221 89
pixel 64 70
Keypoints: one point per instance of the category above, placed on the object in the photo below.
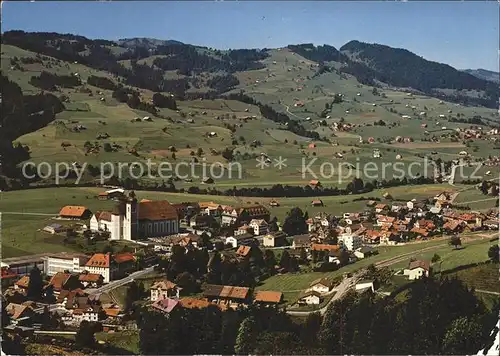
pixel 310 298
pixel 164 289
pixel 131 220
pixel 75 212
pixel 226 296
pixel 268 298
pixel 417 269
pixel 321 286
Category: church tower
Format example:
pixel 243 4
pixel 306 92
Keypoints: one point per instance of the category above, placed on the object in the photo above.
pixel 130 222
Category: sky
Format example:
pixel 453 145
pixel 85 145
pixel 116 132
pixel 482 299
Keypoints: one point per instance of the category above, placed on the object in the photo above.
pixel 462 34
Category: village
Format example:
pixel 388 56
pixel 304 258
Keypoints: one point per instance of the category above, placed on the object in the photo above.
pixel 207 254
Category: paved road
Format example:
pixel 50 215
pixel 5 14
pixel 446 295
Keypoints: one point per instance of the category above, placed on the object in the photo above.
pixel 120 282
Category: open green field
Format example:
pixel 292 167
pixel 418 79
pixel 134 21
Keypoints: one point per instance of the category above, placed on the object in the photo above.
pixel 286 78
pixel 482 277
pixel 21 235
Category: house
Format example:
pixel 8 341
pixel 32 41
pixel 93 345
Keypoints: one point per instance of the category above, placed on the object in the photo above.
pixel 125 263
pixel 131 220
pixel 310 298
pixel 317 202
pixel 19 311
pixel 75 212
pixel 164 289
pixel 385 221
pixel 71 262
pixel 321 285
pixel 417 269
pixel 201 221
pixel 61 281
pixel 242 215
pixel 241 240
pixel 301 241
pixel 243 229
pixel 54 228
pixel 165 305
pixel 314 183
pixel 349 241
pixel 274 203
pixel 259 226
pixel 274 239
pixel 364 252
pixel 207 180
pixel 365 285
pixel 244 252
pixel 91 280
pixel 22 283
pixel 101 263
pixel 454 226
pixel 381 207
pixel 78 306
pixel 193 303
pixel 226 296
pixel 268 298
pixel 324 247
pixel 420 232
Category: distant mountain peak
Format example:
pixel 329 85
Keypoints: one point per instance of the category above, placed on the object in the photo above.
pixel 485 74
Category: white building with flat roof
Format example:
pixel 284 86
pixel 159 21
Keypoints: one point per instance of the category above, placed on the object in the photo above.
pixel 350 242
pixel 74 263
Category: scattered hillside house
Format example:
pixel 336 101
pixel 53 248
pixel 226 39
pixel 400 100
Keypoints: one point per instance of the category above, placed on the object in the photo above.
pixel 364 251
pixel 365 285
pixel 317 202
pixel 301 241
pixel 259 226
pixel 274 203
pixel 75 212
pixel 315 183
pixel 274 239
pixel 268 298
pixel 245 239
pixel 310 298
pixel 164 289
pixel 91 280
pixel 54 228
pixel 350 241
pixel 321 286
pixel 165 305
pixel 242 215
pixel 71 262
pixel 226 296
pixel 131 220
pixel 417 269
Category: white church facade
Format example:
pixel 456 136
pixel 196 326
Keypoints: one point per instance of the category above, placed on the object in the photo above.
pixel 131 220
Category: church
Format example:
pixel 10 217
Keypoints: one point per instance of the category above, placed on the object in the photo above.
pixel 132 220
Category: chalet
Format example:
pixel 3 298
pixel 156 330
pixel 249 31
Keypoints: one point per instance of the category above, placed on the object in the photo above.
pixel 226 296
pixel 244 252
pixel 364 251
pixel 54 228
pixel 310 298
pixel 301 241
pixel 424 224
pixel 315 183
pixel 321 286
pixel 324 247
pixel 243 229
pixel 17 312
pixel 91 280
pixel 164 289
pixel 385 221
pixel 274 239
pixel 420 232
pixel 417 269
pixel 454 226
pixel 381 207
pixel 165 305
pixel 61 281
pixel 268 298
pixel 244 215
pixel 317 202
pixel 259 226
pixel 241 240
pixel 75 212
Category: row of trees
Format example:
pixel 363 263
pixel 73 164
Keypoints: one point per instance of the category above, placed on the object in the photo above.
pixel 50 81
pixel 436 317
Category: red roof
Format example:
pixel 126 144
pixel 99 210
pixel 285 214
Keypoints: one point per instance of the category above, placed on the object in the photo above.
pixel 73 211
pixel 99 260
pixel 157 210
pixel 124 257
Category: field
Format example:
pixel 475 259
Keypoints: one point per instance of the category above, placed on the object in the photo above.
pixel 21 224
pixel 286 78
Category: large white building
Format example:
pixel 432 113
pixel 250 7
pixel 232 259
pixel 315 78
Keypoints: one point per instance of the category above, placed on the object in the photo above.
pixel 74 263
pixel 131 219
pixel 350 241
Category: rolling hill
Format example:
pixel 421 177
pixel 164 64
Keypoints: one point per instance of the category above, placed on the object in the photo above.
pixel 484 74
pixel 211 105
